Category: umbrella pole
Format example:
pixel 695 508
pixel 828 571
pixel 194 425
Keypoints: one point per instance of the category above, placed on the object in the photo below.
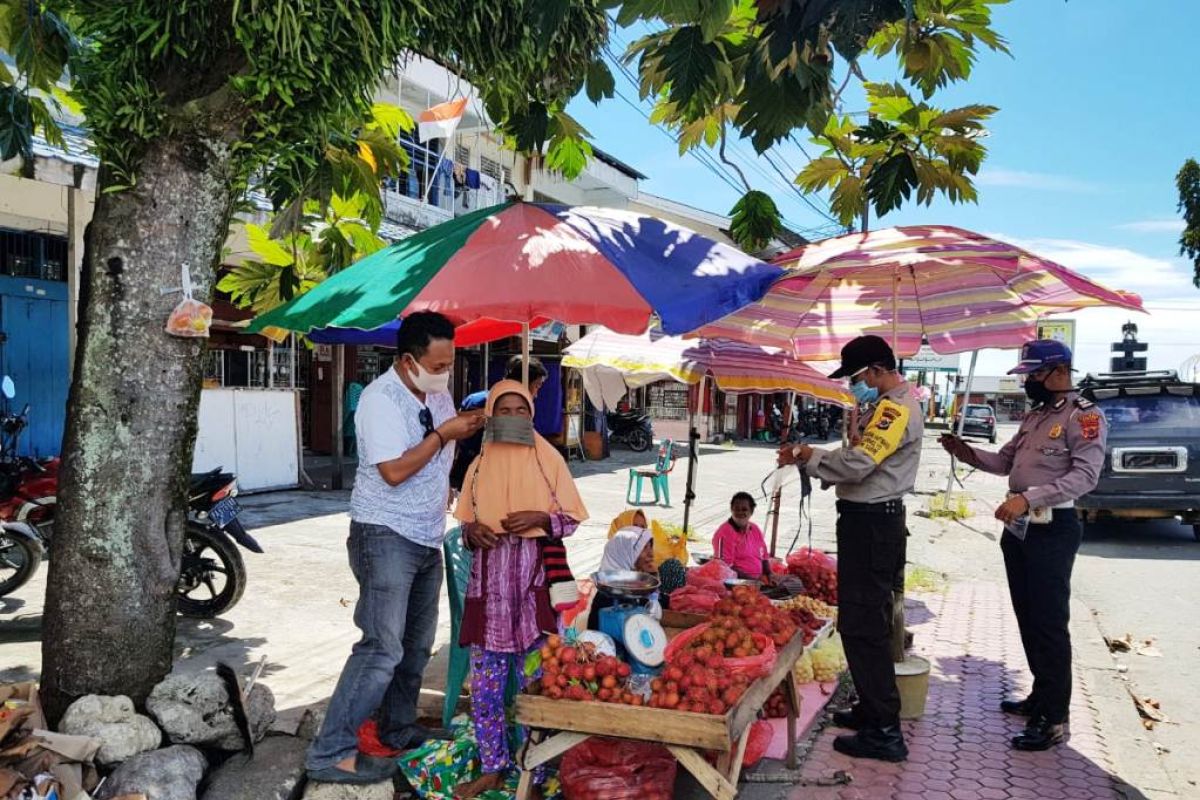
pixel 689 494
pixel 962 418
pixel 525 354
pixel 777 496
pixel 335 386
pixel 895 312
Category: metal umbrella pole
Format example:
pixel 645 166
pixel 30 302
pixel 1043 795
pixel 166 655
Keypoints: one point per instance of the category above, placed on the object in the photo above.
pixel 525 354
pixel 962 419
pixel 777 495
pixel 689 494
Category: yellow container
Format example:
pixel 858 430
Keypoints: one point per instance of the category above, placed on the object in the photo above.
pixel 912 679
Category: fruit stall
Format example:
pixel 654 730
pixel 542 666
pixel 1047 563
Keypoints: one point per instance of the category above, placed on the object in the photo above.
pixel 714 677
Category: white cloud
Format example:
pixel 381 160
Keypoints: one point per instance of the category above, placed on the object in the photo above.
pixel 1153 226
pixel 1115 267
pixel 1041 181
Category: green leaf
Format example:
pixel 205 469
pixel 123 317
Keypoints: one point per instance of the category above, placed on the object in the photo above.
pixel 600 82
pixel 755 219
pixel 390 119
pixel 891 182
pixel 690 66
pixel 533 662
pixel 848 200
pixel 714 14
pixel 266 248
pixel 822 173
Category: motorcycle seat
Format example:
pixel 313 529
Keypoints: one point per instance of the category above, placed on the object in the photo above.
pixel 200 478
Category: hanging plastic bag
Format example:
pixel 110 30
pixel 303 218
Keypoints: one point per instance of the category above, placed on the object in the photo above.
pixel 711 576
pixel 669 542
pixel 617 769
pixel 190 319
pixel 761 734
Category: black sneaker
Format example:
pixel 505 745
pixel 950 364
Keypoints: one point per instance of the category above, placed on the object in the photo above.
pixel 1019 708
pixel 1039 734
pixel 881 744
pixel 848 718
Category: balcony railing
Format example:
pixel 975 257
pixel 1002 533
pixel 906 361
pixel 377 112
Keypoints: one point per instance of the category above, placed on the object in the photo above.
pixel 434 190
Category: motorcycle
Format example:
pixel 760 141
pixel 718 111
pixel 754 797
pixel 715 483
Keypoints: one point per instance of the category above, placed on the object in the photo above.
pixel 632 428
pixel 212 573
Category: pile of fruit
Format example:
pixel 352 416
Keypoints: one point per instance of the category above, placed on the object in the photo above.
pixel 828 660
pixel 811 604
pixel 777 705
pixel 696 681
pixel 818 572
pixel 748 610
pixel 571 672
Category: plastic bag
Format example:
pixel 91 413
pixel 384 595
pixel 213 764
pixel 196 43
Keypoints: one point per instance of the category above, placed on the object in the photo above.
pixel 616 769
pixel 818 571
pixel 694 600
pixel 761 734
pixel 711 576
pixel 669 542
pixel 751 667
pixel 190 319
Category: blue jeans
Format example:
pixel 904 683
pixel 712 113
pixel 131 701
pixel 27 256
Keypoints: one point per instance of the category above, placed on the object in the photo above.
pixel 399 585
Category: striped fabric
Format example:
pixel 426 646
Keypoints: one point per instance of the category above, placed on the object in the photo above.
pixel 961 290
pixel 736 367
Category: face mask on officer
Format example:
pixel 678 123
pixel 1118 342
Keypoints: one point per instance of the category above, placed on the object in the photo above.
pixel 863 392
pixel 1036 389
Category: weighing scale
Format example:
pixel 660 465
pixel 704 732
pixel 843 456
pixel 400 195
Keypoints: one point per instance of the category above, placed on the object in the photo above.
pixel 640 639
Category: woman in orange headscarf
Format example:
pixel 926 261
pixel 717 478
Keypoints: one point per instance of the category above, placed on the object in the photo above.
pixel 518 500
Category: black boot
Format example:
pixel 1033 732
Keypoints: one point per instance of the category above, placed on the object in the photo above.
pixel 848 718
pixel 1039 734
pixel 882 744
pixel 1020 708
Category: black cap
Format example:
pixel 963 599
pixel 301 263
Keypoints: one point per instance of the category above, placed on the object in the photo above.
pixel 863 352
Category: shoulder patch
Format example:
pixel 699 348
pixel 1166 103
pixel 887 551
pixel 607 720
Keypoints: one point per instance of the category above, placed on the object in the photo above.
pixel 1083 402
pixel 884 432
pixel 1089 424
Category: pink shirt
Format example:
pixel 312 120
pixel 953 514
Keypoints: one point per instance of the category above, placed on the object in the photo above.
pixel 742 551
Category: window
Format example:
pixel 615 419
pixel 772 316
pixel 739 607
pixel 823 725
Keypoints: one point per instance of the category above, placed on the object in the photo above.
pixel 30 254
pixel 979 412
pixel 492 169
pixel 1163 410
pixel 462 155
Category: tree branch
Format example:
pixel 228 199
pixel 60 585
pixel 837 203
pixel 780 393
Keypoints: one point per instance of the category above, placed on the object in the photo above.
pixel 736 168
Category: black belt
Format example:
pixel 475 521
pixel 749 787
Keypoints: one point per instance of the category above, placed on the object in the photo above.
pixel 885 507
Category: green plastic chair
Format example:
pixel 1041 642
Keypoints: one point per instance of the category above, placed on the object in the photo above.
pixel 658 477
pixel 458 574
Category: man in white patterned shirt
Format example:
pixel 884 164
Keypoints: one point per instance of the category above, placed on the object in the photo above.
pixel 406 427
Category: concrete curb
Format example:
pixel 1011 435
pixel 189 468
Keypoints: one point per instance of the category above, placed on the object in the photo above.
pixel 1131 751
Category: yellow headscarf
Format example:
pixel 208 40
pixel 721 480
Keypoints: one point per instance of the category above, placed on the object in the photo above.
pixel 625 520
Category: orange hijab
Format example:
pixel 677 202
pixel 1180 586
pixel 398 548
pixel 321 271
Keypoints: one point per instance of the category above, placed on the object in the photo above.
pixel 510 477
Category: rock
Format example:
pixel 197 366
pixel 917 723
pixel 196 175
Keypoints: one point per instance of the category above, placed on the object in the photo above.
pixel 123 732
pixel 169 774
pixel 195 709
pixel 311 722
pixel 341 791
pixel 274 773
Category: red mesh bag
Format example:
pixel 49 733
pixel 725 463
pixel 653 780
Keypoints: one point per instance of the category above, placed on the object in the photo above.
pixel 617 769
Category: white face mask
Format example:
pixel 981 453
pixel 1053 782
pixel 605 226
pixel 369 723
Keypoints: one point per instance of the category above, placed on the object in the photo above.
pixel 429 382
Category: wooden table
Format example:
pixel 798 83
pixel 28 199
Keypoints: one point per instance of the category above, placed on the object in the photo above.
pixel 558 725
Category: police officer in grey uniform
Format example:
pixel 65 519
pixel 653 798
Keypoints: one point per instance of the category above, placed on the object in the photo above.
pixel 1055 458
pixel 872 476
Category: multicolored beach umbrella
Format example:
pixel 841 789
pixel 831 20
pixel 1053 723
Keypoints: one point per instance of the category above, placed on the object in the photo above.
pixel 524 262
pixel 961 290
pixel 612 363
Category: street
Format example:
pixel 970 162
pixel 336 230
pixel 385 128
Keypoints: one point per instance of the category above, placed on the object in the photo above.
pixel 1135 579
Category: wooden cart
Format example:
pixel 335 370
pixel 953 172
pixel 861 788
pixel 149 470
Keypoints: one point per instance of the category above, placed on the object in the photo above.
pixel 558 725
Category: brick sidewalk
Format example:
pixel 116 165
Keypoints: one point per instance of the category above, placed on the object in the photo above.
pixel 959 750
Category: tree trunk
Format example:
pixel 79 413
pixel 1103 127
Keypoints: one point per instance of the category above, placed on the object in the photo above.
pixel 109 624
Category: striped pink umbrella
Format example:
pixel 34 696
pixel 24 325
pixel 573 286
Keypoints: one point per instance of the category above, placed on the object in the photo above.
pixel 960 290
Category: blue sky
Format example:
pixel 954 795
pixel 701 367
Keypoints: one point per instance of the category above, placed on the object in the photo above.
pixel 1098 111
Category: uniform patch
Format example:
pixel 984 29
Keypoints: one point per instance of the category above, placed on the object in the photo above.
pixel 885 431
pixel 1056 432
pixel 1089 424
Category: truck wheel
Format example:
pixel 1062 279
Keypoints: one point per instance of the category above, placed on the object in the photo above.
pixel 1196 532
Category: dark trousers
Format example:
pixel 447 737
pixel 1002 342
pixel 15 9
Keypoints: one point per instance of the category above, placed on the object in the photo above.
pixel 399 585
pixel 1039 580
pixel 871 554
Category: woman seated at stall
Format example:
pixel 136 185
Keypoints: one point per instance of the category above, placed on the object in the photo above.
pixel 629 518
pixel 630 549
pixel 739 542
pixel 518 499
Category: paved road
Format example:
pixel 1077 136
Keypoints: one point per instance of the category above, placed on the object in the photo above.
pixel 298 607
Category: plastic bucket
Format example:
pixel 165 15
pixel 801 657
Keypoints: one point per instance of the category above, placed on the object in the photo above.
pixel 912 679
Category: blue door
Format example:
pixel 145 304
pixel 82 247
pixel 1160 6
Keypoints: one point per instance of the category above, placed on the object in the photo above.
pixel 35 352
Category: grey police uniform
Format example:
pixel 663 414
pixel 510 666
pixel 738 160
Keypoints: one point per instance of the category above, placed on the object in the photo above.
pixel 872 477
pixel 1055 458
